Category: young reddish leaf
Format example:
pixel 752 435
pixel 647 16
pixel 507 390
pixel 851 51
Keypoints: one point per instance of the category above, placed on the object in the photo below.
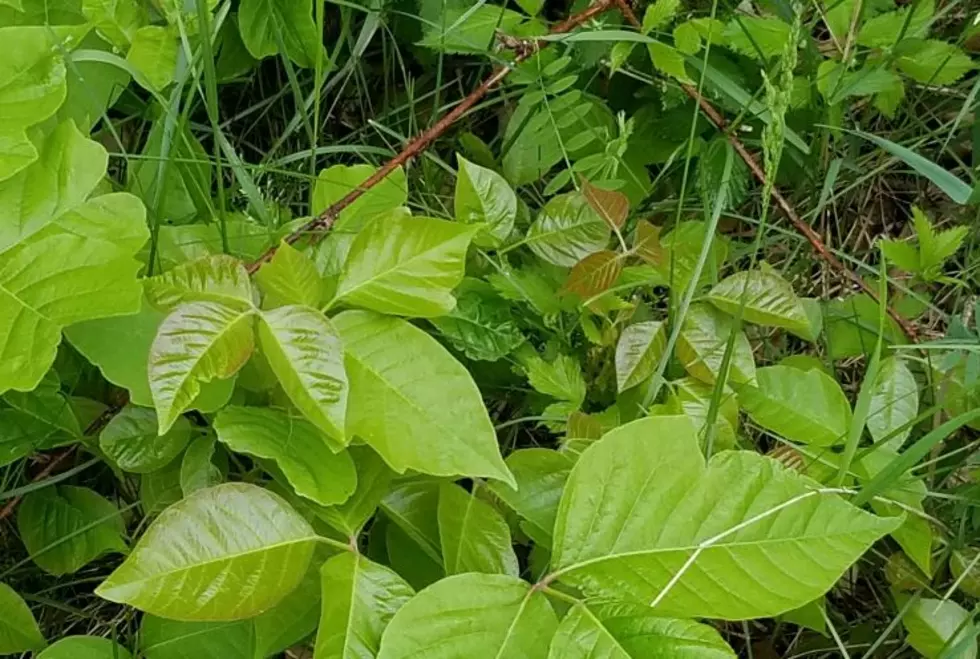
pixel 646 243
pixel 612 206
pixel 594 274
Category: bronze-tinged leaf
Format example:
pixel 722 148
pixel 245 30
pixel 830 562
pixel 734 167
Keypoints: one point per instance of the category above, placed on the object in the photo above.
pixel 612 206
pixel 594 274
pixel 646 243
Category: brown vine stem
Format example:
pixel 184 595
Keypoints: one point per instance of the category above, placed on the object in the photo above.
pixel 781 202
pixel 320 224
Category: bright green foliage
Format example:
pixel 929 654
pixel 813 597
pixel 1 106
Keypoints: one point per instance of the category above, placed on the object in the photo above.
pixel 85 647
pixel 894 403
pixel 481 616
pixel 474 536
pixel 481 326
pixel 220 279
pixel 567 230
pixel 638 352
pixel 701 346
pixel 540 475
pixel 131 442
pixel 249 536
pixel 456 27
pixel 285 27
pixel 373 480
pixel 934 248
pixel 335 183
pixel 154 54
pixel 663 558
pixel 934 625
pixel 197 469
pixel 484 197
pixel 290 278
pixel 173 639
pixel 64 528
pixel 18 628
pixel 764 298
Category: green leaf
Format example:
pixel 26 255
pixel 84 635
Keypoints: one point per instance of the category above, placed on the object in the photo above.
pixel 290 278
pixel 713 165
pixel 175 639
pixel 21 434
pixel 536 285
pixel 692 398
pixel 761 38
pixel 836 83
pixel 197 469
pixel 198 342
pixel 224 553
pixel 406 266
pixel 640 347
pixel 373 482
pixel 894 402
pixel 935 247
pixel 561 378
pixel 18 628
pixel 478 616
pixel 484 197
pixel 852 327
pixel 131 442
pixel 116 20
pixel 215 278
pixel 702 341
pixel 936 624
pixel 85 647
pixel 48 405
pixel 669 61
pixel 964 561
pixel 304 351
pixel 884 30
pixel 359 600
pixel 474 535
pixel 808 407
pixel 901 254
pixel 64 528
pixel 413 403
pixel 540 474
pixel 567 230
pixel 461 28
pixel 264 24
pixel 934 62
pixel 631 631
pixel 679 252
pixel 304 455
pixel 648 522
pixel 154 54
pixel 481 326
pixel 161 488
pixel 413 507
pixel 335 183
pixel 659 14
pixel 769 300
pixel 291 621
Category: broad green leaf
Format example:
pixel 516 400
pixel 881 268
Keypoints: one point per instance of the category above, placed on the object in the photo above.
pixel 215 278
pixel 894 402
pixel 561 378
pixel 461 28
pixel 679 252
pixel 154 53
pixel 21 434
pixel 477 616
pixel 409 559
pixel 594 274
pixel 808 407
pixel 702 341
pixel 304 455
pixel 965 561
pixel 632 631
pixel 224 553
pixel 291 621
pixel 99 340
pixel 85 647
pixel 197 468
pixel 659 14
pixel 131 442
pixel 933 625
pixel 836 83
pixel 290 278
pixel 692 398
pixel 18 628
pixel 758 37
pixel 934 62
pixel 48 405
pixel 359 600
pixel 537 285
pixel 66 527
pixel 161 488
pixel 852 327
pixel 335 183
pixel 406 266
pixel 116 20
pixel 811 615
pixel 198 342
pixel 413 507
pixel 769 300
pixel 481 326
pixel 265 24
pixel 484 197
pixel 373 482
pixel 648 522
pixel 640 347
pixel 722 172
pixel 884 30
pixel 174 639
pixel 567 230
pixel 474 535
pixel 540 474
pixel 935 247
pixel 413 403
pixel 304 351
pixel 669 61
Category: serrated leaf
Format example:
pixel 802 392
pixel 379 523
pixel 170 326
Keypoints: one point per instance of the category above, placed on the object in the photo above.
pixel 197 342
pixel 406 266
pixel 131 442
pixel 648 522
pixel 478 616
pixel 560 378
pixel 373 482
pixel 808 407
pixel 224 553
pixel 630 631
pixel 85 647
pixel 413 403
pixel 934 62
pixel 894 402
pixel 540 474
pixel 216 278
pixel 18 628
pixel 175 639
pixel 335 183
pixel 669 61
pixel 640 347
pixel 484 197
pixel 659 14
pixel 701 346
pixel 305 352
pixel 567 230
pixel 481 326
pixel 360 598
pixel 265 24
pixel 304 455
pixel 769 300
pixel 936 624
pixel 290 277
pixel 884 30
pixel 473 534
pixel 66 527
